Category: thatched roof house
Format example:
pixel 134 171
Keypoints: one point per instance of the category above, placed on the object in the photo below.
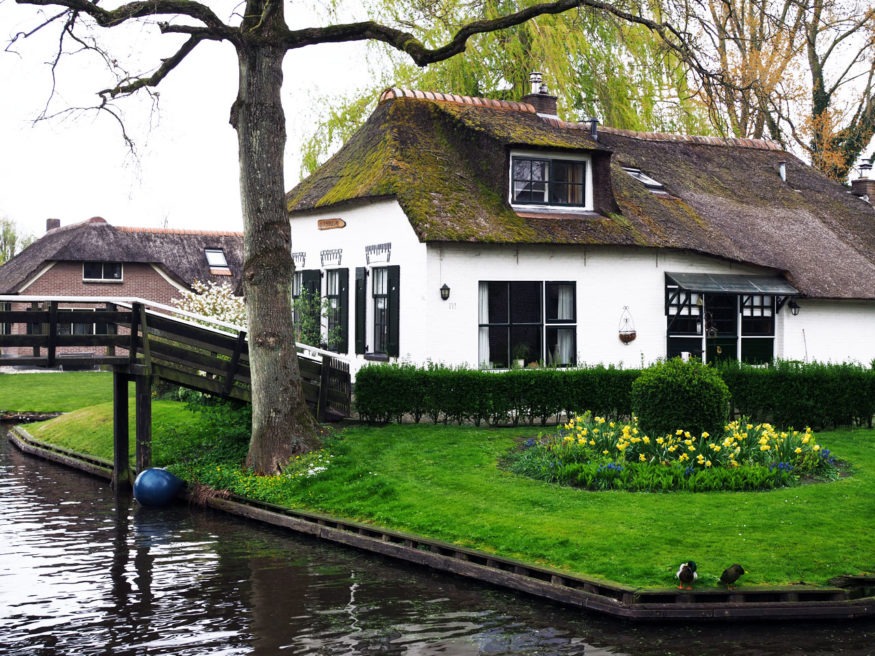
pixel 481 230
pixel 147 262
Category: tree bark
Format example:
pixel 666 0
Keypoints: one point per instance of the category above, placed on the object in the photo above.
pixel 282 424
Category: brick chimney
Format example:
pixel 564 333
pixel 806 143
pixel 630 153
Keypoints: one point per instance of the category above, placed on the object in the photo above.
pixel 540 97
pixel 51 224
pixel 864 186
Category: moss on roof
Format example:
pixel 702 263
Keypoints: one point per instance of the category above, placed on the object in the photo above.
pixel 446 160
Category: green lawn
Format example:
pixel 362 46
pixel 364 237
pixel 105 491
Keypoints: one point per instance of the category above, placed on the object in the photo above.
pixel 444 482
pixel 53 391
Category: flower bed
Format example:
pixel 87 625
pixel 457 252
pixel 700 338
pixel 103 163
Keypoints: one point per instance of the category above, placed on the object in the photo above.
pixel 596 454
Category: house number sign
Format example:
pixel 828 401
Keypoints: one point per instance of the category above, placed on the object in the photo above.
pixel 330 224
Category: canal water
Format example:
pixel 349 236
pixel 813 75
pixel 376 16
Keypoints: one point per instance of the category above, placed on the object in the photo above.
pixel 82 572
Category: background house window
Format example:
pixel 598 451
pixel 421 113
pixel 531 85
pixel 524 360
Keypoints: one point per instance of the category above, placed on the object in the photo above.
pixel 546 181
pixel 102 271
pixel 217 262
pixel 84 327
pixel 512 326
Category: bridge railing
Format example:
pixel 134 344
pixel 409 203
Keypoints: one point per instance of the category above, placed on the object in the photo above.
pixel 178 346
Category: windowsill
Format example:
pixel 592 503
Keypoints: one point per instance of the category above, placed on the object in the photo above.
pixel 376 357
pixel 100 281
pixel 538 212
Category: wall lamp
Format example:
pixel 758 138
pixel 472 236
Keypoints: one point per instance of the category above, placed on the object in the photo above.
pixel 794 307
pixel 445 292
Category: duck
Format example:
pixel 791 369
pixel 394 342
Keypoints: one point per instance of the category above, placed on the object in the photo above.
pixel 686 574
pixel 731 574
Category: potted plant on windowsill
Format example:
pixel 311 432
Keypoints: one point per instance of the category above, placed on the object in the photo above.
pixel 520 353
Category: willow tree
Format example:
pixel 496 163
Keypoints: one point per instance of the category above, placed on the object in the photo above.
pixel 259 33
pixel 598 63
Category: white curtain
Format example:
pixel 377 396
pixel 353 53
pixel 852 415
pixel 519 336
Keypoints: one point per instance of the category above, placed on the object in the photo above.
pixel 565 311
pixel 485 358
pixel 564 346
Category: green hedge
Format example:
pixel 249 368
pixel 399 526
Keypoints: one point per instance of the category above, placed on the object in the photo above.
pixel 795 394
pixel 385 393
pixel 787 394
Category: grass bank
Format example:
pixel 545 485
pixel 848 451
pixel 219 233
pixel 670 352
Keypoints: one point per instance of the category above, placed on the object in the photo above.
pixel 444 482
pixel 54 391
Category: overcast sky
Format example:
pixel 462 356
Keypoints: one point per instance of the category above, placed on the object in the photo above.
pixel 185 173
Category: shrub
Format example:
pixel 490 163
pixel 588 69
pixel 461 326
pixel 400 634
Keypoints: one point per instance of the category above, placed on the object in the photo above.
pixel 677 393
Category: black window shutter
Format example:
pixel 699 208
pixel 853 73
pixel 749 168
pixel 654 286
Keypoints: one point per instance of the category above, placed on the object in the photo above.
pixel 311 280
pixel 343 346
pixel 360 299
pixel 394 280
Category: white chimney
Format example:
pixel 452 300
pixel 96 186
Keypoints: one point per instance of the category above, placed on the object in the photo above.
pixel 782 170
pixel 535 79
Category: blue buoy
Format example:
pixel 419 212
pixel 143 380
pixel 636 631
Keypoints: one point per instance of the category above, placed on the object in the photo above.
pixel 156 487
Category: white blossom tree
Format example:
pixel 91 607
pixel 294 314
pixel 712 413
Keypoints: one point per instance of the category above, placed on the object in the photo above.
pixel 215 300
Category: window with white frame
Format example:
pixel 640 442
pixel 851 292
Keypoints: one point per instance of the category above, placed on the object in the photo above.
pixel 102 271
pixel 549 181
pixel 527 323
pixel 380 294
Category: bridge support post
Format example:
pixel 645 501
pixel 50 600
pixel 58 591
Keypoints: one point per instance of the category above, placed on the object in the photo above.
pixel 144 422
pixel 121 469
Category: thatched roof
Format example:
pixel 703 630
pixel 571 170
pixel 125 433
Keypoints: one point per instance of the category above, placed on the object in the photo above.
pixel 178 253
pixel 445 159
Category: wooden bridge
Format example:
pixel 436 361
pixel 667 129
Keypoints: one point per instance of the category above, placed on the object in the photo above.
pixel 142 341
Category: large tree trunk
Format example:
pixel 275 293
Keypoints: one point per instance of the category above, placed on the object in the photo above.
pixel 282 424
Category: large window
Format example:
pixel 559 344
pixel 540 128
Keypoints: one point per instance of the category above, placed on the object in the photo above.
pixel 720 326
pixel 102 271
pixel 527 323
pixel 548 181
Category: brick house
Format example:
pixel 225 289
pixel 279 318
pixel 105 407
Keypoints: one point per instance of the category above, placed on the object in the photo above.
pixel 95 259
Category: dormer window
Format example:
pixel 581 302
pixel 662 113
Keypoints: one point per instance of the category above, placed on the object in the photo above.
pixel 217 262
pixel 550 182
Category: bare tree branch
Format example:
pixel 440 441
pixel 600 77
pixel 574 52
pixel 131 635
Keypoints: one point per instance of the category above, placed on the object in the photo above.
pixel 167 65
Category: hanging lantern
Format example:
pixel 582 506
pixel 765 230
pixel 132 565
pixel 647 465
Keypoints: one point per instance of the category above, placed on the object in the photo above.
pixel 627 326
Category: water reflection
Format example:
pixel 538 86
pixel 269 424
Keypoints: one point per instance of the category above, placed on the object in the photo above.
pixel 82 572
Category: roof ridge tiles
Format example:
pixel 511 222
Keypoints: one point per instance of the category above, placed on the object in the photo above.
pixel 401 92
pixel 178 231
pixel 762 144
